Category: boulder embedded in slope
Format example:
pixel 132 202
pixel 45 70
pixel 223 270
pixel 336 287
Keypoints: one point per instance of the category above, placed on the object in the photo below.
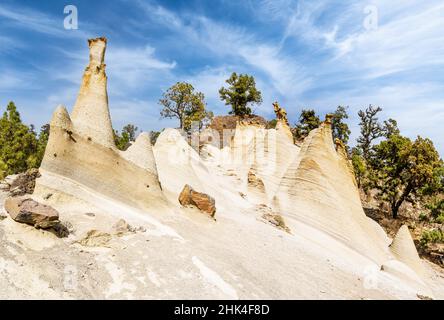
pixel 202 201
pixel 26 210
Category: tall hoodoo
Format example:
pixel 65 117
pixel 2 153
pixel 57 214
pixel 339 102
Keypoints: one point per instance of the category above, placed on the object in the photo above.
pixel 91 114
pixel 81 152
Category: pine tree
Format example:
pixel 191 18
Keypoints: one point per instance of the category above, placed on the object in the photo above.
pixel 241 93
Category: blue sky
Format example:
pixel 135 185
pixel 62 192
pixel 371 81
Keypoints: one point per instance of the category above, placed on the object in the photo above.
pixel 304 54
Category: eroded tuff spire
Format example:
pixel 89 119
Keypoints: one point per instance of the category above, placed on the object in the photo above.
pixel 90 115
pixel 404 250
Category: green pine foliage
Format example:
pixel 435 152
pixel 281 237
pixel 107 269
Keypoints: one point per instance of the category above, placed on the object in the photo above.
pixel 183 102
pixel 123 140
pixel 20 147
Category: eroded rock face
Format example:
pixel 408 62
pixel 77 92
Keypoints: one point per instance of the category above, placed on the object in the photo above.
pixel 202 201
pixel 81 151
pixel 26 210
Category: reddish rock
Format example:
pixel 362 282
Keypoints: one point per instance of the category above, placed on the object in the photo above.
pixel 26 210
pixel 254 181
pixel 202 201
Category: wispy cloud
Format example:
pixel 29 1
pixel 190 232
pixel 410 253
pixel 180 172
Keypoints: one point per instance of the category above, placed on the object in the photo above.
pixel 133 66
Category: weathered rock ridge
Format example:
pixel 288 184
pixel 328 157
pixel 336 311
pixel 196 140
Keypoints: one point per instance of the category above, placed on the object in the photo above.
pixel 289 220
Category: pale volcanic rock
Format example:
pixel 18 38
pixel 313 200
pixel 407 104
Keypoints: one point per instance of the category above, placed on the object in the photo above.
pixel 90 114
pixel 202 201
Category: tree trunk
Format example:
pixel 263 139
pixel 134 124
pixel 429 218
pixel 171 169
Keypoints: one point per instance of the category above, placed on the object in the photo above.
pixel 397 204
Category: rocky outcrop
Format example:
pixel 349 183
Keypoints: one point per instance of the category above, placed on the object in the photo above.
pixel 96 238
pixel 254 181
pixel 202 201
pixel 405 251
pixel 81 153
pixel 90 113
pixel 319 190
pixel 225 126
pixel 26 210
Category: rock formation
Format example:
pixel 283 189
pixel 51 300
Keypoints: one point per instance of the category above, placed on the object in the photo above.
pixel 202 201
pixel 281 114
pixel 404 250
pixel 20 184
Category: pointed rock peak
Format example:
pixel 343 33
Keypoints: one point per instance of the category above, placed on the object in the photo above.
pixel 90 114
pixel 141 153
pixel 328 118
pixel 403 238
pixel 60 118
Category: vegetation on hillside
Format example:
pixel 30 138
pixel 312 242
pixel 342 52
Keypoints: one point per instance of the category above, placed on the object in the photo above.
pixel 395 168
pixel 20 146
pixel 181 101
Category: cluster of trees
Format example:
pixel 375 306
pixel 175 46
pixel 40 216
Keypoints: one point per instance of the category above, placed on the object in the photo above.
pixel 21 147
pixel 123 140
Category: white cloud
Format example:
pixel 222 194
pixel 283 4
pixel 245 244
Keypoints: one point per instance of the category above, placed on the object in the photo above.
pixel 14 80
